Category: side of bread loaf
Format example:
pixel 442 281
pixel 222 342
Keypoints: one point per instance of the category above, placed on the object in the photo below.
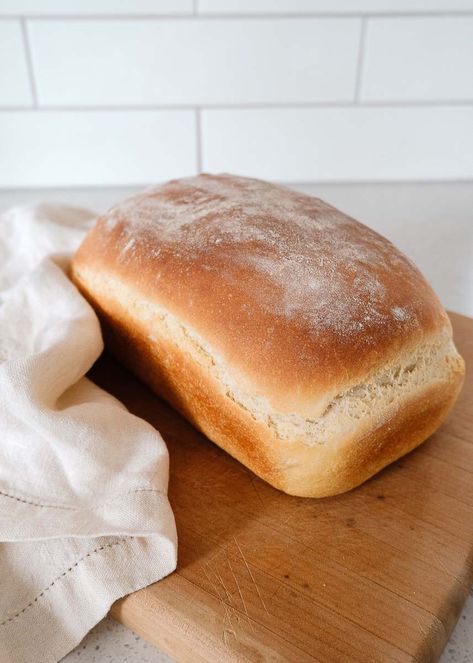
pixel 192 282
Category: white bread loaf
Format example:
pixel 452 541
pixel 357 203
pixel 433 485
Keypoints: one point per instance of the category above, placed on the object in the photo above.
pixel 294 337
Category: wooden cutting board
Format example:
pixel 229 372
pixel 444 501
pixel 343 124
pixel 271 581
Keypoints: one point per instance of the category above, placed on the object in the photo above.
pixel 378 574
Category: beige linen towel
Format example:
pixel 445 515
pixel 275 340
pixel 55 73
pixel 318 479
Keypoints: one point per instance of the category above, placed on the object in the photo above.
pixel 84 513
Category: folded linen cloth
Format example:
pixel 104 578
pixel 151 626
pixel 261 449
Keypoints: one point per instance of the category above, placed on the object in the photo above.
pixel 84 513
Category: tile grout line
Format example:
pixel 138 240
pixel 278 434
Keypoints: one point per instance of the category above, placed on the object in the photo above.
pixel 361 60
pixel 246 16
pixel 198 138
pixel 29 62
pixel 314 105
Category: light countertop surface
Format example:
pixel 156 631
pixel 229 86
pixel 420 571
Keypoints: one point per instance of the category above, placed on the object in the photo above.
pixel 432 223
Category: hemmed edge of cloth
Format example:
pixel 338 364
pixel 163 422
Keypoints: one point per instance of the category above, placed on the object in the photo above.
pixel 116 567
pixel 132 513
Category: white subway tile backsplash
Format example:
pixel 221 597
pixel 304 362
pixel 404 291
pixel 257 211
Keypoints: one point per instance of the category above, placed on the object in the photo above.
pixel 14 82
pixel 195 62
pixel 94 7
pixel 330 6
pixel 344 144
pixel 95 147
pixel 110 92
pixel 422 58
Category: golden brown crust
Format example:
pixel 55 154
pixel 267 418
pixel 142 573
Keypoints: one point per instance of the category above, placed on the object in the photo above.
pixel 317 471
pixel 189 321
pixel 296 296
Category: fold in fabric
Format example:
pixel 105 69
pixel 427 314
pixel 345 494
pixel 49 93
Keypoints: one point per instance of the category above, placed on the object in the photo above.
pixel 84 513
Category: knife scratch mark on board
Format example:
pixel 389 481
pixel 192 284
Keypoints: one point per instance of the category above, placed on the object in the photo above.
pixel 444 568
pixel 220 579
pixel 250 623
pixel 251 575
pixel 421 628
pixel 211 568
pixel 212 583
pixel 227 625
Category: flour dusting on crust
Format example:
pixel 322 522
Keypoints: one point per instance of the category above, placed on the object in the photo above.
pixel 308 261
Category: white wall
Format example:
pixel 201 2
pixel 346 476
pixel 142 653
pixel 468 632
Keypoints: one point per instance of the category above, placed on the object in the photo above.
pixel 113 92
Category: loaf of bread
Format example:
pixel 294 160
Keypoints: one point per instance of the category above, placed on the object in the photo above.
pixel 300 341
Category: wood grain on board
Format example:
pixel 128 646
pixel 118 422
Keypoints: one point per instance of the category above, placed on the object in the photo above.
pixel 378 574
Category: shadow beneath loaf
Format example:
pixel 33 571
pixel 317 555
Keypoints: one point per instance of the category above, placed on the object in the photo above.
pixel 214 496
pixel 206 485
pixel 254 548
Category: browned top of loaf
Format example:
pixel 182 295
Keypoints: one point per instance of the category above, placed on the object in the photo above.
pixel 295 296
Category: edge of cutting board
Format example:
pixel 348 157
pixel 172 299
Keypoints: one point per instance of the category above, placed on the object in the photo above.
pixel 224 603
